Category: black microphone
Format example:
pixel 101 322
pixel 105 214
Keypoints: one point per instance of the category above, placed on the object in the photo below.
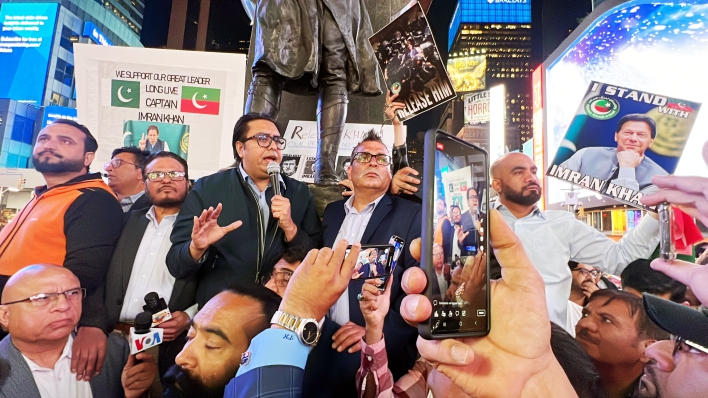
pixel 274 173
pixel 142 336
pixel 157 307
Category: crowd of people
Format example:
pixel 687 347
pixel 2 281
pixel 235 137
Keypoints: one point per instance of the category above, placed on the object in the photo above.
pixel 267 299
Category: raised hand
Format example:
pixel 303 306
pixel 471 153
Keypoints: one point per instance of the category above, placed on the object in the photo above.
pixel 402 181
pixel 374 305
pixel 206 231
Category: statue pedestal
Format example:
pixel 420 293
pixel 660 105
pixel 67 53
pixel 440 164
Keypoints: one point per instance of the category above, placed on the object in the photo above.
pixel 324 195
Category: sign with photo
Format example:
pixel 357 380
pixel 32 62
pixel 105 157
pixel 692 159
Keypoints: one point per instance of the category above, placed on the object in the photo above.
pixel 183 102
pixel 411 64
pixel 620 138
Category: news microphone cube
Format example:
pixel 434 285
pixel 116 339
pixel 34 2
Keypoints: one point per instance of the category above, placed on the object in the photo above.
pixel 142 342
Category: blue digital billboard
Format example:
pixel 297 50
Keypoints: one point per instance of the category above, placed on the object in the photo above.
pixel 92 31
pixel 489 11
pixel 53 112
pixel 26 36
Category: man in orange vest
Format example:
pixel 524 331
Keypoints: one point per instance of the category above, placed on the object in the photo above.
pixel 74 221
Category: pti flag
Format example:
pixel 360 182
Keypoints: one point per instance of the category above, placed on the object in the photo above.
pixel 125 93
pixel 200 100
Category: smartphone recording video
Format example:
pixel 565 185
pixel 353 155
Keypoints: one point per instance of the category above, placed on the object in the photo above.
pixel 454 237
pixel 374 261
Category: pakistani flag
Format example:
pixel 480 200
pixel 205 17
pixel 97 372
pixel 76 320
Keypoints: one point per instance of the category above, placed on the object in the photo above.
pixel 125 93
pixel 200 100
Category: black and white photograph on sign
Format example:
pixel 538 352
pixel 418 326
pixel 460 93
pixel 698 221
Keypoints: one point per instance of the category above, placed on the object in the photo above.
pixel 290 164
pixel 411 64
pixel 620 138
pixel 343 163
pixel 308 172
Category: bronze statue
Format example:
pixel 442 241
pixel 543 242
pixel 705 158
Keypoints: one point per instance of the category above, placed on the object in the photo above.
pixel 313 47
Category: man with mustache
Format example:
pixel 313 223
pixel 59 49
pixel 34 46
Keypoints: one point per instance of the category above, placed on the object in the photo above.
pixel 125 177
pixel 614 331
pixel 551 238
pixel 138 265
pixel 74 221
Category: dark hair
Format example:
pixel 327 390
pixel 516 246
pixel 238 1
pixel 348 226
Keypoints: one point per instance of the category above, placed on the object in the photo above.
pixel 637 117
pixel 165 154
pixel 369 136
pixel 576 363
pixel 572 264
pixel 153 127
pixel 646 329
pixel 470 190
pixel 139 155
pixel 639 276
pixel 90 143
pixel 270 301
pixel 241 128
pixel 294 254
pixel 455 206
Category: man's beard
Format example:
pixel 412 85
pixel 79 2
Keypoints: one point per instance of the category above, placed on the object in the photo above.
pixel 519 197
pixel 63 166
pixel 178 383
pixel 166 202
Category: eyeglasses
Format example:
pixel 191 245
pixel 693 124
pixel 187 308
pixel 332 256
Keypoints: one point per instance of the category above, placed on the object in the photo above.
pixel 438 254
pixel 264 140
pixel 116 163
pixel 281 278
pixel 44 299
pixel 681 344
pixel 595 273
pixel 365 157
pixel 160 175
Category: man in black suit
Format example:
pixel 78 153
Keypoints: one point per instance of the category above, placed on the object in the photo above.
pixel 125 177
pixel 369 216
pixel 471 222
pixel 138 264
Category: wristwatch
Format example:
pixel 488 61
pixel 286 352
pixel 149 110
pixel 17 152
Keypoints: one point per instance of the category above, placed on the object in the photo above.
pixel 307 329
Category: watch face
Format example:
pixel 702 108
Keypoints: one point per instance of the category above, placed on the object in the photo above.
pixel 310 333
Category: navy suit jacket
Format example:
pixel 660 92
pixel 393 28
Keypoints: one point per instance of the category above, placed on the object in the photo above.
pixel 392 216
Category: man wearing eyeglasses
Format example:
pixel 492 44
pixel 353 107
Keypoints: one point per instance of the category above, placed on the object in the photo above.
pixel 232 227
pixel 41 306
pixel 581 287
pixel 125 177
pixel 370 216
pixel 138 265
pixel 73 221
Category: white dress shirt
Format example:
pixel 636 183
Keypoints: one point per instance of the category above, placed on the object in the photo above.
pixel 59 382
pixel 352 230
pixel 552 238
pixel 442 283
pixel 575 312
pixel 150 272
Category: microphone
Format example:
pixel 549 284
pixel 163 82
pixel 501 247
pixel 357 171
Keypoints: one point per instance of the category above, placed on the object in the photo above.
pixel 274 173
pixel 157 306
pixel 142 336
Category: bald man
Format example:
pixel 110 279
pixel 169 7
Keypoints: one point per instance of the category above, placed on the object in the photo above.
pixel 551 238
pixel 41 306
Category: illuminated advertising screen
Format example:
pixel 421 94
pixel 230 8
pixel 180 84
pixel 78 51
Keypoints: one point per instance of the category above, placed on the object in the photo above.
pixel 658 46
pixel 467 73
pixel 52 113
pixel 489 11
pixel 26 33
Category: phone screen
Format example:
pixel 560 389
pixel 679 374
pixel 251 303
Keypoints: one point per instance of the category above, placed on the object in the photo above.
pixel 374 261
pixel 455 236
pixel 397 244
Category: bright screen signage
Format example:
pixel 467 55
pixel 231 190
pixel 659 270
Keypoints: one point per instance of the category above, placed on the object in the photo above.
pixel 26 33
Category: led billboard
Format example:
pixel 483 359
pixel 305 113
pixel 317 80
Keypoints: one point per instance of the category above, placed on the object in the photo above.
pixel 26 35
pixel 489 11
pixel 653 45
pixel 467 73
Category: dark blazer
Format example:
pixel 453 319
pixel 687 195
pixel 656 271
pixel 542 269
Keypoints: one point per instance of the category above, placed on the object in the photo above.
pixel 392 216
pixel 16 379
pixel 143 202
pixel 183 293
pixel 240 256
pixel 275 381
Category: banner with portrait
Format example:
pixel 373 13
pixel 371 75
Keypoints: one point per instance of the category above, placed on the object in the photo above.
pixel 620 138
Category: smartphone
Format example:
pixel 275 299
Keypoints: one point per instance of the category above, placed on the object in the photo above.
pixel 398 246
pixel 667 247
pixel 374 261
pixel 455 201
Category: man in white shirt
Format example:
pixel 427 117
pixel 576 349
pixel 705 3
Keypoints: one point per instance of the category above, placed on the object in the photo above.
pixel 581 288
pixel 552 238
pixel 124 173
pixel 138 265
pixel 41 306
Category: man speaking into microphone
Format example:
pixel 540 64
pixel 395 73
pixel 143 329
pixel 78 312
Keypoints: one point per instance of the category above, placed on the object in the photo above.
pixel 234 224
